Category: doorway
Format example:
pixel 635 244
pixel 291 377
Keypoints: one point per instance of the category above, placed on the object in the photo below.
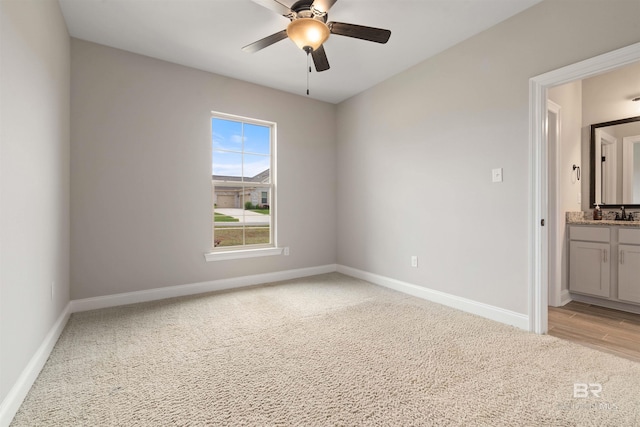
pixel 606 151
pixel 540 245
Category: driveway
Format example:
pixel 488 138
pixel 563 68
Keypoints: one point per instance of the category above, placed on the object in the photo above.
pixel 250 217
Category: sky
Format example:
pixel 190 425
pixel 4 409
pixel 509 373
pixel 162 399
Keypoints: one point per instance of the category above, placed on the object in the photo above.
pixel 239 147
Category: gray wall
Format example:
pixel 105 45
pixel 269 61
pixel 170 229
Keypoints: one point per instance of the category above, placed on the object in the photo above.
pixel 602 94
pixel 601 97
pixel 141 173
pixel 415 153
pixel 34 179
pixel 636 173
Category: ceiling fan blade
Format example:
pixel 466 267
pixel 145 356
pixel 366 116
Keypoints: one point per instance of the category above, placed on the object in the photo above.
pixel 275 6
pixel 371 34
pixel 323 5
pixel 267 41
pixel 320 59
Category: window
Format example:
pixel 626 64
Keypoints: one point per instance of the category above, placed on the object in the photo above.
pixel 242 183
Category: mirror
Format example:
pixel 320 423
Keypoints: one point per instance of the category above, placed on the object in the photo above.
pixel 615 163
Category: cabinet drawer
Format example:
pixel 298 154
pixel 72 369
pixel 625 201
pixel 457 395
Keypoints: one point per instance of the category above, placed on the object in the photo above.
pixel 628 236
pixel 590 234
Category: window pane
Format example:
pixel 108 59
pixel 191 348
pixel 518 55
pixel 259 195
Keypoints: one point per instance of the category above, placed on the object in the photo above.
pixel 256 168
pixel 228 236
pixel 239 217
pixel 257 217
pixel 257 234
pixel 226 135
pixel 227 216
pixel 257 139
pixel 225 165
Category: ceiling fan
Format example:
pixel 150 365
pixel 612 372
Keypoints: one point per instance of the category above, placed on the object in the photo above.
pixel 309 29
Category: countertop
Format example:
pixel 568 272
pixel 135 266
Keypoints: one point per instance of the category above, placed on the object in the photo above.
pixel 606 222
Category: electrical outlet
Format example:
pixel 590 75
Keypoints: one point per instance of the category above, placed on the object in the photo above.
pixel 286 251
pixel 414 261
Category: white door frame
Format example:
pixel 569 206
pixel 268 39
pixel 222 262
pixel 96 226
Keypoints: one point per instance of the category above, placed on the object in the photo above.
pixel 554 160
pixel 538 170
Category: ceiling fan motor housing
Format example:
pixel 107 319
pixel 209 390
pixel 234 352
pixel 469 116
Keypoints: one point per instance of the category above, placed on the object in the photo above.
pixel 305 9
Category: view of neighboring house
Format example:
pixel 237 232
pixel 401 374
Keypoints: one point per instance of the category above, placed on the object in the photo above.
pixel 226 195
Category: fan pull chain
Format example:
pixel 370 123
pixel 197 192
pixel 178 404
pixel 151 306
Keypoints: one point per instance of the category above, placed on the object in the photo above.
pixel 308 71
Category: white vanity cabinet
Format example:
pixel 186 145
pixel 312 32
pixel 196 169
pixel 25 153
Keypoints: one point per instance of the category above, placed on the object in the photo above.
pixel 590 261
pixel 629 265
pixel 604 265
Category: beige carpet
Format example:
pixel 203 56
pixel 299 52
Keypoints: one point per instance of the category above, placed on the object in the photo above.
pixel 325 350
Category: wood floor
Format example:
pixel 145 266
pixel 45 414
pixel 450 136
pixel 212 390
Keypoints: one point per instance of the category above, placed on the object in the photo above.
pixel 613 331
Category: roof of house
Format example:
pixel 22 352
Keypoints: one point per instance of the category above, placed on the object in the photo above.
pixel 261 177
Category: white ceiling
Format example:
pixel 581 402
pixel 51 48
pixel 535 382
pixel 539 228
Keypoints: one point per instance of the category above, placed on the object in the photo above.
pixel 209 34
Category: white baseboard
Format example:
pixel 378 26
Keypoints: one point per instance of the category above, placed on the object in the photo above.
pixel 485 310
pixel 11 403
pixel 194 288
pixel 616 305
pixel 565 297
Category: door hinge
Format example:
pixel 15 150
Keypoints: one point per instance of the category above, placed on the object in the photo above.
pixel 542 222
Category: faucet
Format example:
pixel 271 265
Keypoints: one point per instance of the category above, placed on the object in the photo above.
pixel 622 215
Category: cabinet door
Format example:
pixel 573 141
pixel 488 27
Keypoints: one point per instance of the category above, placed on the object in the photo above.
pixel 589 268
pixel 629 273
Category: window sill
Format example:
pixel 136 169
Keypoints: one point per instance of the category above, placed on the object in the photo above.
pixel 245 253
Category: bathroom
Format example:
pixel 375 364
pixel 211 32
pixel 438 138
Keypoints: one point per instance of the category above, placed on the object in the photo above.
pixel 594 276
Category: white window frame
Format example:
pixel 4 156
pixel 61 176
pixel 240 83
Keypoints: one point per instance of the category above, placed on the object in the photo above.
pixel 249 251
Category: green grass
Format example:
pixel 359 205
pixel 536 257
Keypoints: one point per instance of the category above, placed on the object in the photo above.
pixel 262 211
pixel 218 217
pixel 232 236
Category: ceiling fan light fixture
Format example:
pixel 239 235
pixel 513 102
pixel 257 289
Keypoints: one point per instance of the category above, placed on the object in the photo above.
pixel 308 33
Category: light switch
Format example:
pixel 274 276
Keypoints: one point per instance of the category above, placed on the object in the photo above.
pixel 497 175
